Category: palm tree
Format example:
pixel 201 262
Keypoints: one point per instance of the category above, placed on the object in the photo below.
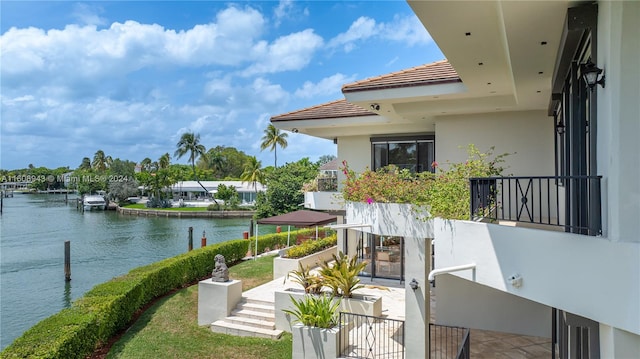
pixel 145 165
pixel 99 161
pixel 253 172
pixel 272 139
pixel 190 143
pixel 86 164
pixel 164 161
pixel 215 160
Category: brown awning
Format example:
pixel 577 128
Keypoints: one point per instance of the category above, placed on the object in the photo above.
pixel 302 218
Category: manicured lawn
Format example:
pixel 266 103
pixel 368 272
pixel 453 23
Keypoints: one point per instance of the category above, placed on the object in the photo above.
pixel 169 329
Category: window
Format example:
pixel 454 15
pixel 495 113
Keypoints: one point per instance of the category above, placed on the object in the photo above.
pixel 415 153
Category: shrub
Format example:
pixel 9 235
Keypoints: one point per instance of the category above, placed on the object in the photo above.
pixel 315 311
pixel 342 276
pixel 311 246
pixel 446 192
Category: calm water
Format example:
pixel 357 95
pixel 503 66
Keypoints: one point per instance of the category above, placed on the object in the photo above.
pixel 103 245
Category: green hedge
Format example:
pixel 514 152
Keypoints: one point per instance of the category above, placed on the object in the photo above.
pixel 109 307
pixel 312 246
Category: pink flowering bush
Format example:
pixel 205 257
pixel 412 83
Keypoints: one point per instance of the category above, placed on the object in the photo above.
pixel 446 192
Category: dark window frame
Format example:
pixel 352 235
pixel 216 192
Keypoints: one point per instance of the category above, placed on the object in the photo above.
pixel 416 139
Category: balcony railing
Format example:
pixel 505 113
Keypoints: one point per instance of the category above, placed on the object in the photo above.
pixel 448 342
pixel 327 184
pixel 569 202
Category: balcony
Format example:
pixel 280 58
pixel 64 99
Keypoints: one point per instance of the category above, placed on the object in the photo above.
pixel 568 203
pixel 322 194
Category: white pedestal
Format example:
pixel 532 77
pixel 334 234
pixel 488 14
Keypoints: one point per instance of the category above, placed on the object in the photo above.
pixel 216 300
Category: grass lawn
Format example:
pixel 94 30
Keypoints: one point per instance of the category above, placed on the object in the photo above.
pixel 169 329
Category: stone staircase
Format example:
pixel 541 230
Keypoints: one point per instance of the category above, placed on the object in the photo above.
pixel 251 318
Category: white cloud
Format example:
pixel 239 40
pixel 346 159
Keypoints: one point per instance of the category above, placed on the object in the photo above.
pixel 287 53
pixel 361 29
pixel 88 14
pixel 404 29
pixel 282 11
pixel 327 86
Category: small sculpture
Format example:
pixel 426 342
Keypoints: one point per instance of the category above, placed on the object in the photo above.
pixel 220 271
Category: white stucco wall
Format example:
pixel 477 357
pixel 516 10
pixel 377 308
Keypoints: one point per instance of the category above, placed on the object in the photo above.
pixel 588 276
pixel 619 118
pixel 528 136
pixel 458 302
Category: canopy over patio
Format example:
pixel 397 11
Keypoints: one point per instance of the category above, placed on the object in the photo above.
pixel 301 218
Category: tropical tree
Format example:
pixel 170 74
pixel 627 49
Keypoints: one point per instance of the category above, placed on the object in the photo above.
pixel 164 161
pixel 283 193
pixel 190 143
pixel 145 164
pixel 253 172
pixel 86 164
pixel 272 139
pixel 99 161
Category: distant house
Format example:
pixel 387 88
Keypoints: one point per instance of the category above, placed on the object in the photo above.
pixel 192 190
pixel 562 258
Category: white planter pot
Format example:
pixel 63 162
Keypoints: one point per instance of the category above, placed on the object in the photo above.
pixel 282 266
pixel 358 304
pixel 317 343
pixel 391 219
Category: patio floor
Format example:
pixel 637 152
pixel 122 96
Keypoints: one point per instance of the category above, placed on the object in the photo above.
pixel 484 344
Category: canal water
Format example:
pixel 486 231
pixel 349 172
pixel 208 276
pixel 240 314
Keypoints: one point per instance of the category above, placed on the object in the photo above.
pixel 104 244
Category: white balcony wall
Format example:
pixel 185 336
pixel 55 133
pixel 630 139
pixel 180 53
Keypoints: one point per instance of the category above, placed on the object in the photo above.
pixel 323 201
pixel 528 136
pixel 588 276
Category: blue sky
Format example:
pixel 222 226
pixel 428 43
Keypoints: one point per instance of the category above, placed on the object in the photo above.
pixel 129 77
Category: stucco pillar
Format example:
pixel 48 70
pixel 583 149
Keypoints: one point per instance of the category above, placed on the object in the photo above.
pixel 417 259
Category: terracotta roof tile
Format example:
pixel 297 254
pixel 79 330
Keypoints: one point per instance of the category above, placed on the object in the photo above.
pixel 428 74
pixel 334 109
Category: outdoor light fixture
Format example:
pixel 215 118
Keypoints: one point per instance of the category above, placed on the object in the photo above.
pixel 560 127
pixel 375 107
pixel 590 73
pixel 414 284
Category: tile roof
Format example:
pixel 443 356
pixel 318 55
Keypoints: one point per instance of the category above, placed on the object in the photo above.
pixel 334 109
pixel 428 74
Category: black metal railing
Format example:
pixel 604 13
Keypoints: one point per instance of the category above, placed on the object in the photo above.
pixel 571 202
pixel 447 342
pixel 371 337
pixel 327 184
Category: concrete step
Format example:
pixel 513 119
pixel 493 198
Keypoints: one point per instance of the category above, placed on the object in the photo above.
pixel 257 301
pixel 269 309
pixel 251 322
pixel 247 313
pixel 224 327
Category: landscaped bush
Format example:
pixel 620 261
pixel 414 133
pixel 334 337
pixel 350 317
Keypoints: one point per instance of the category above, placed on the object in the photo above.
pixel 311 246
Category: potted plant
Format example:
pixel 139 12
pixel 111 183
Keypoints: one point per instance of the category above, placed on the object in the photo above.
pixel 342 275
pixel 316 330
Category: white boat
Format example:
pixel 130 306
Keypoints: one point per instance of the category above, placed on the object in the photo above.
pixel 92 202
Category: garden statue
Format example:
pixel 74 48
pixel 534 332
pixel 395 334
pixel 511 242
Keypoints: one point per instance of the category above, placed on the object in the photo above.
pixel 220 271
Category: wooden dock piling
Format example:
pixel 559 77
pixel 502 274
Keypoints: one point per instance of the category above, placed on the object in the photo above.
pixel 67 261
pixel 190 239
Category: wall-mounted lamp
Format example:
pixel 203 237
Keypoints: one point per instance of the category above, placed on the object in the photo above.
pixel 590 73
pixel 374 107
pixel 294 130
pixel 414 284
pixel 560 127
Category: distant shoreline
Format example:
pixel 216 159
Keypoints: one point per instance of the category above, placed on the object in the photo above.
pixel 183 214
